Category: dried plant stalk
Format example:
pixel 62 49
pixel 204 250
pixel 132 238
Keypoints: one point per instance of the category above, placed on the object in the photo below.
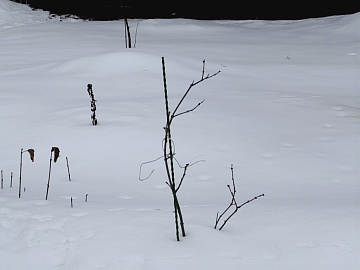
pixel 93 104
pixel 56 151
pixel 11 179
pixel 32 158
pixel 32 154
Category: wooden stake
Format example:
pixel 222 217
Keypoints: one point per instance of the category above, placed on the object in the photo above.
pixel 48 183
pixel 68 169
pixel 21 154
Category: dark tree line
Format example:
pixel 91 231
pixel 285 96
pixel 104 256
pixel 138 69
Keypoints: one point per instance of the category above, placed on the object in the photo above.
pixel 194 9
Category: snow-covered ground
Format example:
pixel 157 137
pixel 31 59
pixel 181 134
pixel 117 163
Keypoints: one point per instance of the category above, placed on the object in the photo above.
pixel 284 110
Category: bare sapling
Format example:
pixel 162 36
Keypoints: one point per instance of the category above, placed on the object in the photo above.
pixel 93 104
pixel 234 206
pixel 128 34
pixel 169 146
pixel 32 158
pixel 55 151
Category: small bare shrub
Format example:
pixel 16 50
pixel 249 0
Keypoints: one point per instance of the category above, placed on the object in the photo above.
pixel 233 204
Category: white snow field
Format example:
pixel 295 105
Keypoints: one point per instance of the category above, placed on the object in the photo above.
pixel 284 111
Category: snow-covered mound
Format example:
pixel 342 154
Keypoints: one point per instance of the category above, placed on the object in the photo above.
pixel 14 14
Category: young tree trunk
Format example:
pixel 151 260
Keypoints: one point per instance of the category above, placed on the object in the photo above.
pixel 127 34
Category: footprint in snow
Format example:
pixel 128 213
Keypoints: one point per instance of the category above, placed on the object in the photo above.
pixel 328 125
pixel 288 145
pixel 80 214
pixel 42 218
pixel 126 197
pixel 39 202
pixel 115 209
pixel 143 209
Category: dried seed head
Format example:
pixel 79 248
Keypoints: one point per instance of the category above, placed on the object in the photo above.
pixel 32 154
pixel 56 151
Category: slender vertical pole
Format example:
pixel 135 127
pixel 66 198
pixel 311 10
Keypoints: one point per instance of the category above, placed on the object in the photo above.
pixel 21 153
pixel 11 179
pixel 168 143
pixel 128 33
pixel 67 164
pixel 126 44
pixel 48 183
pixel 2 180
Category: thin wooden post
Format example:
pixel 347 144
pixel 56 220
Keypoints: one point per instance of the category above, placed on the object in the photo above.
pixel 68 169
pixel 21 154
pixel 48 183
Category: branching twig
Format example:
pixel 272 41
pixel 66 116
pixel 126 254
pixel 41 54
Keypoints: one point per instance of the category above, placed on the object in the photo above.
pixel 188 90
pixel 175 115
pixel 232 203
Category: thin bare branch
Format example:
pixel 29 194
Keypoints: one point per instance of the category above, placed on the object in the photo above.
pixel 175 115
pixel 232 203
pixel 232 177
pixel 182 177
pixel 218 218
pixel 189 88
pixel 203 70
pixel 144 163
pixel 189 165
pixel 237 208
pixel 255 198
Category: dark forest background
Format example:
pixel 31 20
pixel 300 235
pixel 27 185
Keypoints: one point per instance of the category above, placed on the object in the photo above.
pixel 193 9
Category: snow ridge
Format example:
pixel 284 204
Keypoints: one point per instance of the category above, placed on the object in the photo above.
pixel 15 14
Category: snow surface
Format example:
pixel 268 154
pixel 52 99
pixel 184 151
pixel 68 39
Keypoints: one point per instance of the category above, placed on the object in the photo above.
pixel 285 111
